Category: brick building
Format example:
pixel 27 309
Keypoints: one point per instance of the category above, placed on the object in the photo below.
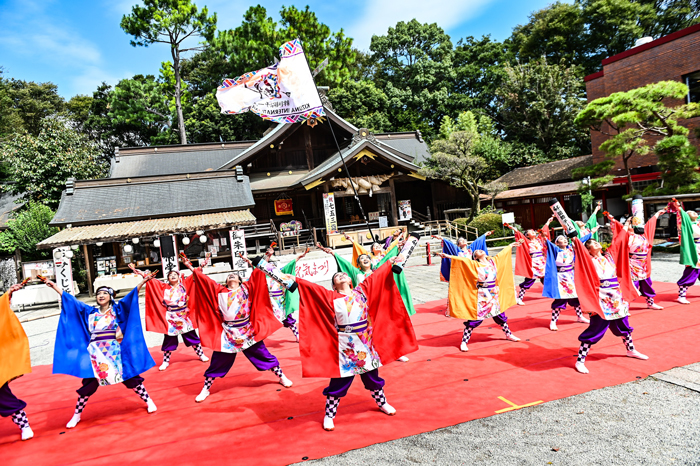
pixel 675 57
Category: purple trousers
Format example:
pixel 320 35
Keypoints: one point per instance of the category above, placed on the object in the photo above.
pixel 170 342
pixel 91 385
pixel 289 321
pixel 339 386
pixel 645 288
pixel 258 355
pixel 500 319
pixel 528 282
pixel 598 326
pixel 561 303
pixel 690 276
pixel 9 403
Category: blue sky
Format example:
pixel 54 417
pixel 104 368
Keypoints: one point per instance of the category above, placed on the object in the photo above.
pixel 78 44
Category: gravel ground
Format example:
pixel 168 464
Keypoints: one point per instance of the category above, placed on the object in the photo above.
pixel 640 423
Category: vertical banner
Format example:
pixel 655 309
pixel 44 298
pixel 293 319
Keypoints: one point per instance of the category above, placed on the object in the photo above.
pixel 63 269
pixel 238 247
pixel 329 209
pixel 168 254
pixel 405 212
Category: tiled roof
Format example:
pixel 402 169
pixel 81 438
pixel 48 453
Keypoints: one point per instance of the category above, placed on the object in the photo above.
pixel 170 160
pixel 559 170
pixel 537 191
pixel 411 144
pixel 112 232
pixel 110 200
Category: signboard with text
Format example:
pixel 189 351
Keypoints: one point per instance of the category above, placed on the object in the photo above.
pixel 329 209
pixel 63 269
pixel 316 270
pixel 238 248
pixel 168 254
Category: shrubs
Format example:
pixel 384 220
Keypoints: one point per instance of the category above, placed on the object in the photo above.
pixel 486 222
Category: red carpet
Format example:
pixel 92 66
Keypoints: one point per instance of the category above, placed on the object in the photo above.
pixel 250 419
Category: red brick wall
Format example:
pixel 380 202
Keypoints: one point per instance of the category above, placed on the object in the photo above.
pixel 666 62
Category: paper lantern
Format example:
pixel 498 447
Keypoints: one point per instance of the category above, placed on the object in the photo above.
pixel 185 241
pixel 135 240
pixel 203 239
pixel 128 249
pixel 99 244
pixel 156 243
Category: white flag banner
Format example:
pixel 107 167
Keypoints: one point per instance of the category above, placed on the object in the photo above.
pixel 283 93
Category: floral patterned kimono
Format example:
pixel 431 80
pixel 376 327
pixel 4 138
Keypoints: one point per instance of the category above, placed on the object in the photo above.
pixel 639 249
pixel 465 252
pixel 177 314
pixel 612 303
pixel 357 353
pixel 538 258
pixel 277 292
pixel 104 349
pixel 488 304
pixel 565 273
pixel 235 310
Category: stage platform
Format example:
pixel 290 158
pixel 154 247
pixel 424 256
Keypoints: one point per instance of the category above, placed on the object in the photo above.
pixel 251 419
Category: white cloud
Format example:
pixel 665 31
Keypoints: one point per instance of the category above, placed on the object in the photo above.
pixel 379 15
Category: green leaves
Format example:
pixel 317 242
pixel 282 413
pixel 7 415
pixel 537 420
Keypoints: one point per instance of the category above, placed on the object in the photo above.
pixel 39 166
pixel 25 229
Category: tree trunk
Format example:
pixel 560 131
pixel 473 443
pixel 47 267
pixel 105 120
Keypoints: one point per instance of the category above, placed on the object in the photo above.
pixel 178 93
pixel 625 160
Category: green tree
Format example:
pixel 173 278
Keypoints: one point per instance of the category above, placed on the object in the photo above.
pixel 25 229
pixel 413 64
pixel 537 105
pixel 170 22
pixel 362 104
pixel 206 123
pixel 39 166
pixel 630 118
pixel 10 121
pixel 32 103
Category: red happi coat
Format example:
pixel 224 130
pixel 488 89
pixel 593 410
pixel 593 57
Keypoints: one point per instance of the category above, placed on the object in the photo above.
pixel 155 308
pixel 393 334
pixel 586 276
pixel 207 317
pixel 523 260
pixel 649 231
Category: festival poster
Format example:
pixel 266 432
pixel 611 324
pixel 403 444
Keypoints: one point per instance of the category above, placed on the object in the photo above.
pixel 405 212
pixel 329 209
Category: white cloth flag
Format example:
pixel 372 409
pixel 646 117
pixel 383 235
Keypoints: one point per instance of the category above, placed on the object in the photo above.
pixel 283 93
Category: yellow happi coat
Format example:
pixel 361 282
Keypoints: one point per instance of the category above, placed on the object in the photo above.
pixel 463 295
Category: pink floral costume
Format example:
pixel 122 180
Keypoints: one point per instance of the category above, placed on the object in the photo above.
pixel 104 349
pixel 357 354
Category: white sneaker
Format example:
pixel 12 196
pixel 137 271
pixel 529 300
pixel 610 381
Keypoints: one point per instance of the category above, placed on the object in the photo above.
pixel 553 326
pixel 655 306
pixel 683 301
pixel 463 347
pixel 27 433
pixel 202 395
pixel 286 383
pixel 403 359
pixel 73 421
pixel 583 320
pixel 163 366
pixel 512 337
pixel 386 408
pixel 204 358
pixel 636 354
pixel 519 302
pixel 581 367
pixel 328 424
pixel 151 406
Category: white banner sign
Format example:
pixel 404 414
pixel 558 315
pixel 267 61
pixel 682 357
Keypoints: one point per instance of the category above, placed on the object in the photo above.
pixel 317 270
pixel 238 248
pixel 63 269
pixel 329 209
pixel 168 255
pixel 508 217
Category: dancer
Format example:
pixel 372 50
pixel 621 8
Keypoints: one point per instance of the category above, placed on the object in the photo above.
pixel 353 331
pixel 87 346
pixel 689 237
pixel 284 303
pixel 559 283
pixel 482 288
pixel 235 318
pixel 530 260
pixel 461 249
pixel 605 288
pixel 641 240
pixel 167 312
pixel 585 228
pixel 364 268
pixel 376 252
pixel 14 362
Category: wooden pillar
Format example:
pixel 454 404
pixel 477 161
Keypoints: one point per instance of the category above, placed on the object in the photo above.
pixel 88 269
pixel 314 205
pixel 532 213
pixel 307 147
pixel 394 204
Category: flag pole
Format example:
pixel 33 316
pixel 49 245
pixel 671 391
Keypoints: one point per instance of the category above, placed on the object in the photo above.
pixel 345 165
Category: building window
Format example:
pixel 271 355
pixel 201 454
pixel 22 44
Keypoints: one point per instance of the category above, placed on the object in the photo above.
pixel 692 80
